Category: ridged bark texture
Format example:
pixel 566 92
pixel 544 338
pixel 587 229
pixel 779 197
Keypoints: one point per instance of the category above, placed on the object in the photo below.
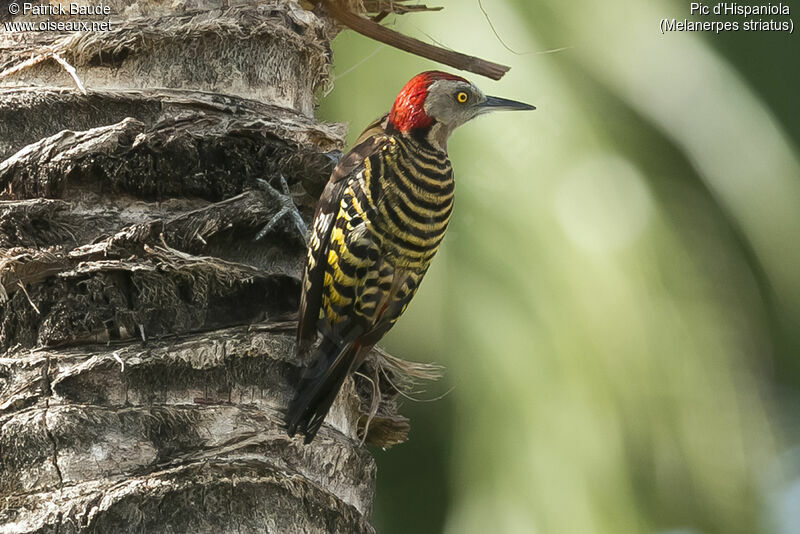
pixel 146 339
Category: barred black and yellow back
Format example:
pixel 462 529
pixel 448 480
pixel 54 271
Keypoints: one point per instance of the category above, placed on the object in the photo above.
pixel 391 218
pixel 378 225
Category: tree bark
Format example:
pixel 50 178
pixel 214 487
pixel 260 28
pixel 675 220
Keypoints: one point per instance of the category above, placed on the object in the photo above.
pixel 147 340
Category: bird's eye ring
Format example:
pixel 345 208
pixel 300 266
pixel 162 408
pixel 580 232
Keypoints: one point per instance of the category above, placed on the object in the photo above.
pixel 462 97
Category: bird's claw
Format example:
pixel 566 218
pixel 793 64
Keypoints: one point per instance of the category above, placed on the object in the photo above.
pixel 284 199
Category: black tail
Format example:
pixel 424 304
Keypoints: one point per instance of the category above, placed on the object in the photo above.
pixel 318 388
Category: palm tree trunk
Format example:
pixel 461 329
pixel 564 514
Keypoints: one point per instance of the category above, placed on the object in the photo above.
pixel 146 338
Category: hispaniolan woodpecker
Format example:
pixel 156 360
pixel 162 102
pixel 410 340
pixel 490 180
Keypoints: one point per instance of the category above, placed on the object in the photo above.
pixel 378 224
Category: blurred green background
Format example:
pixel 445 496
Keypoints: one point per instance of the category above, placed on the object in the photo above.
pixel 617 301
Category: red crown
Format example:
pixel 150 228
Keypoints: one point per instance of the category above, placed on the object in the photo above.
pixel 408 111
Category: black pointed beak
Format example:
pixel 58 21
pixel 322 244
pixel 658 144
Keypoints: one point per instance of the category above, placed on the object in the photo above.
pixel 495 103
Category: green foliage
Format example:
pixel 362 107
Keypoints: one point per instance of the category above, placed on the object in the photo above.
pixel 618 296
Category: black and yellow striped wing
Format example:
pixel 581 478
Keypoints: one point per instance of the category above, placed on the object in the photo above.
pixel 378 225
pixel 327 209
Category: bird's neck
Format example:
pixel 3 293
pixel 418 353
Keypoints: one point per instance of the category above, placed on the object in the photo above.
pixel 432 137
pixel 438 134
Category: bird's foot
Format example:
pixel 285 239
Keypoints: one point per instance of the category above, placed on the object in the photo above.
pixel 283 199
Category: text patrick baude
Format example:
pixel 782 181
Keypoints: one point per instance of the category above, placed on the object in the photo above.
pixel 70 9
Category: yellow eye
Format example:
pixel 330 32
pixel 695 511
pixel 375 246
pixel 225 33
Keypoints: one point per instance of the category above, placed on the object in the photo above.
pixel 462 97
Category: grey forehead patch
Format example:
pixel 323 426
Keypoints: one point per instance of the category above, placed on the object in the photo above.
pixel 453 85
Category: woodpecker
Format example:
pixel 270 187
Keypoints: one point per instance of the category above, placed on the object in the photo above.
pixel 377 226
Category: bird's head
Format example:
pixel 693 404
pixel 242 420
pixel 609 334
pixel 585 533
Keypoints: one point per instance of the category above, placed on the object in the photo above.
pixel 435 103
